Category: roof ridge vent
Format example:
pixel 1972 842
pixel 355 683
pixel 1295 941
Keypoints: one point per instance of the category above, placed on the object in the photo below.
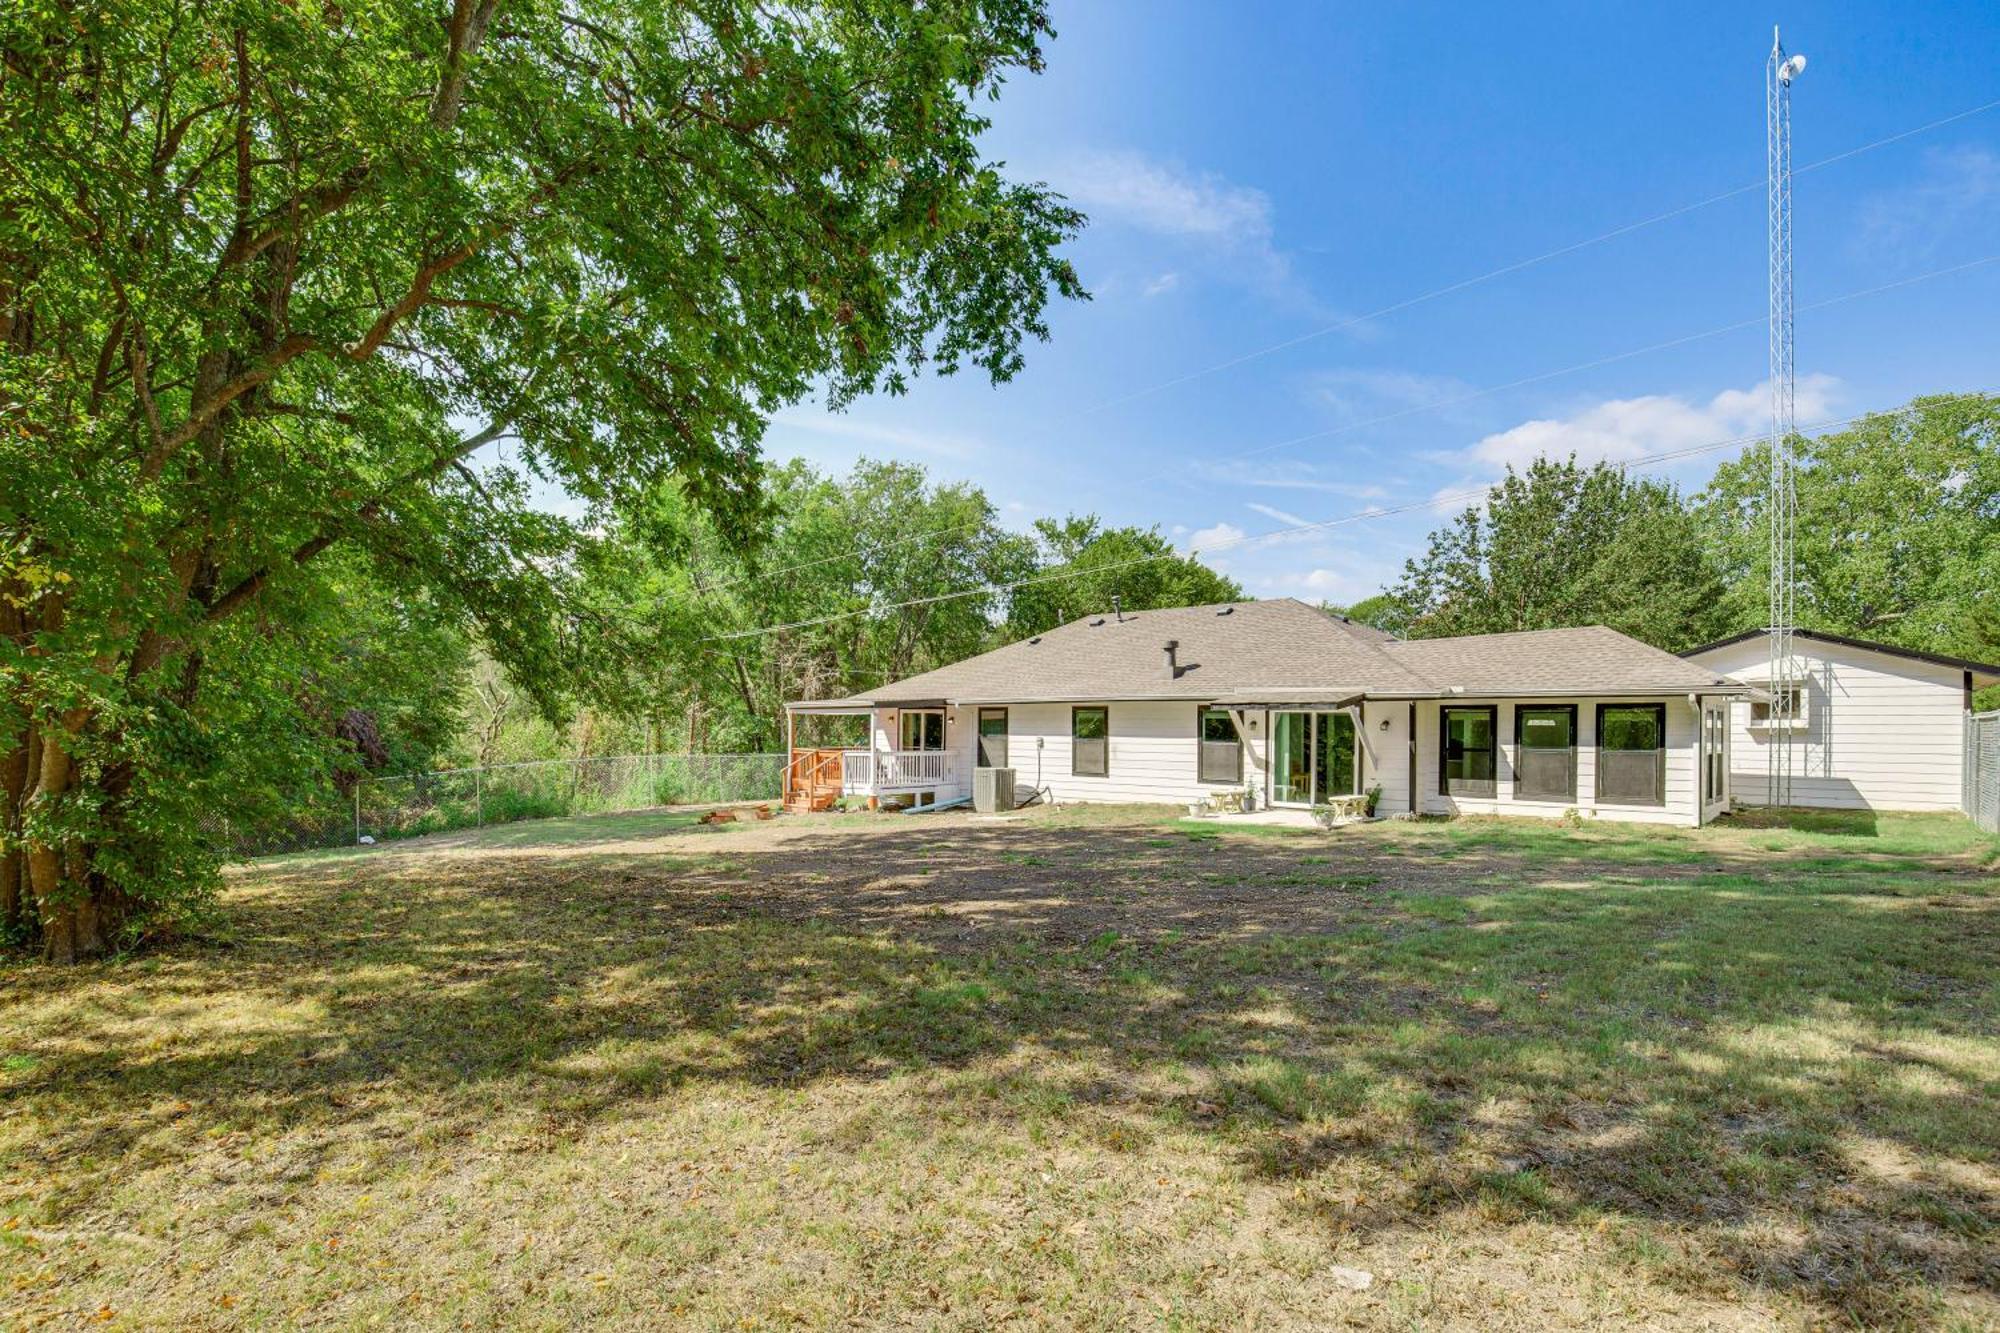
pixel 1227 611
pixel 1035 638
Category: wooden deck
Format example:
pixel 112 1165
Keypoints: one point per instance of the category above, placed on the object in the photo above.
pixel 813 780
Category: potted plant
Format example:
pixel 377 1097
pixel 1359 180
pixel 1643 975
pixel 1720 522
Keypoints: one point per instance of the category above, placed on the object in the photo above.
pixel 1249 798
pixel 1324 815
pixel 1374 799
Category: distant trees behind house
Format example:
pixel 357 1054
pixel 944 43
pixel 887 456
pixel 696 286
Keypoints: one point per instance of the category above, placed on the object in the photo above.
pixel 1898 539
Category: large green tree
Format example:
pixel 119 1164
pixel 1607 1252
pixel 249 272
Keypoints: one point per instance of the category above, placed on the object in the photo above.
pixel 1086 566
pixel 1897 535
pixel 1563 544
pixel 274 274
pixel 860 580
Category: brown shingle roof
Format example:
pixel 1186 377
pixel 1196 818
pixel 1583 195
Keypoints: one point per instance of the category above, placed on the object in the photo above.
pixel 1226 647
pixel 1286 649
pixel 1592 659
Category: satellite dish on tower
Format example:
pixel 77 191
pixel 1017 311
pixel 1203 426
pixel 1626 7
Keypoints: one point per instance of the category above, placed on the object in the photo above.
pixel 1791 69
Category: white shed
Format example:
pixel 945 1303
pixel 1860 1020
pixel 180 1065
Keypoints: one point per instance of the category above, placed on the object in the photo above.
pixel 1878 727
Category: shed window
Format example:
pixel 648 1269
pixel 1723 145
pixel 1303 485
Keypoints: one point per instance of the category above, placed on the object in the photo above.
pixel 1221 748
pixel 1763 713
pixel 1469 756
pixel 1632 754
pixel 1090 742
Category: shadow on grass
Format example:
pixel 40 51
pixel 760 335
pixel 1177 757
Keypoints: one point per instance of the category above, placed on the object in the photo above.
pixel 1788 1055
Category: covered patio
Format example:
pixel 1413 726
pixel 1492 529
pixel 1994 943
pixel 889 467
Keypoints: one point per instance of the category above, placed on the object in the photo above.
pixel 906 754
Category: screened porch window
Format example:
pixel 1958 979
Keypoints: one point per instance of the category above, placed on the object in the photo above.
pixel 1469 761
pixel 1632 754
pixel 1090 742
pixel 1221 749
pixel 1545 769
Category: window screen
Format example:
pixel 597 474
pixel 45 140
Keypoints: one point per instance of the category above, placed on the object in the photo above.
pixel 1632 754
pixel 1221 750
pixel 1545 767
pixel 1469 759
pixel 1090 742
pixel 993 738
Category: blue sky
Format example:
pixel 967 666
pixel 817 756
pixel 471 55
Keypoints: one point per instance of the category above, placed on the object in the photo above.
pixel 1258 179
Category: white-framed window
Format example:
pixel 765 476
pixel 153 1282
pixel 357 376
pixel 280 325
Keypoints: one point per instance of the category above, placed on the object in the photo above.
pixel 1714 755
pixel 922 729
pixel 1788 700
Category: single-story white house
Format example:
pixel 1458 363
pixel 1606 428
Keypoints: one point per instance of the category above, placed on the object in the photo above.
pixel 1299 706
pixel 1874 726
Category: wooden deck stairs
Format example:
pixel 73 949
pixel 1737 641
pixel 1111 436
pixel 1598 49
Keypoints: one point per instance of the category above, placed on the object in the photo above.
pixel 812 781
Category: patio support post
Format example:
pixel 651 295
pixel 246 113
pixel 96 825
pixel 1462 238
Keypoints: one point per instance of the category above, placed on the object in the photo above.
pixel 789 739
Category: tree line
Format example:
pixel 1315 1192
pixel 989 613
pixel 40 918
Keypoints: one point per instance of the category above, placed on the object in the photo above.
pixel 1897 539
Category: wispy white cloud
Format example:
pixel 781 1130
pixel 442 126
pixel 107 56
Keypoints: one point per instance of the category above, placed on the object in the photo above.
pixel 1957 193
pixel 1210 219
pixel 1621 429
pixel 1342 585
pixel 1221 534
pixel 1129 187
pixel 895 439
pixel 1356 393
pixel 1278 515
pixel 1285 475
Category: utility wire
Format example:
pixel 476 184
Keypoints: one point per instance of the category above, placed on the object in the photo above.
pixel 1422 298
pixel 1451 401
pixel 1254 539
pixel 1531 262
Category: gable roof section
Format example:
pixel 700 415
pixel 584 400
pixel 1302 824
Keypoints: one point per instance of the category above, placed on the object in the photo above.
pixel 1250 653
pixel 1983 673
pixel 1591 659
pixel 1230 646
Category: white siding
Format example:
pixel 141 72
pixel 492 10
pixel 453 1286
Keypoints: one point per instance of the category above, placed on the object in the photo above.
pixel 1385 754
pixel 1682 732
pixel 1882 732
pixel 1153 753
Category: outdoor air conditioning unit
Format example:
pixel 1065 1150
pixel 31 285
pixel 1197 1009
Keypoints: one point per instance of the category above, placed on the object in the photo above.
pixel 992 790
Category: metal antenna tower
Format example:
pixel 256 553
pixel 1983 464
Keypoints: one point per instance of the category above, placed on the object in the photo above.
pixel 1782 501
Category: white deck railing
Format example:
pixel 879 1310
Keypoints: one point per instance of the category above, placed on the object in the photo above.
pixel 901 769
pixel 857 772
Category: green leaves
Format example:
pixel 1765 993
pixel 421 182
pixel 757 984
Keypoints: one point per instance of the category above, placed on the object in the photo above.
pixel 1561 544
pixel 275 277
pixel 1898 533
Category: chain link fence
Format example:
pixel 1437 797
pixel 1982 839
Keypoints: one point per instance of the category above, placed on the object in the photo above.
pixel 411 804
pixel 1982 770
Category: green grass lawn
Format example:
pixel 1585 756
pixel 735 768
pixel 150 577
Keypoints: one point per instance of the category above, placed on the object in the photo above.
pixel 1090 1068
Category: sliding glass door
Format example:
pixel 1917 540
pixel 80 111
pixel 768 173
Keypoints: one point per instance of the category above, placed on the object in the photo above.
pixel 1313 757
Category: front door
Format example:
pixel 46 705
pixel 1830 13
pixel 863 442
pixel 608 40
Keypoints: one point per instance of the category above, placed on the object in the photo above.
pixel 1313 757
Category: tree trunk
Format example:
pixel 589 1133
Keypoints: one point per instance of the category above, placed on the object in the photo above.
pixel 13 785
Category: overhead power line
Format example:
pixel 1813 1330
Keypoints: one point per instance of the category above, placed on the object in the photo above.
pixel 1439 501
pixel 1451 401
pixel 1533 261
pixel 1422 298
